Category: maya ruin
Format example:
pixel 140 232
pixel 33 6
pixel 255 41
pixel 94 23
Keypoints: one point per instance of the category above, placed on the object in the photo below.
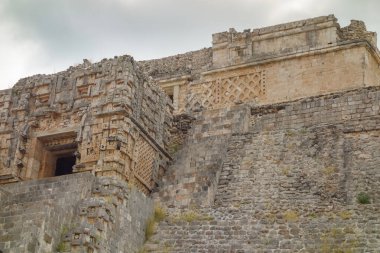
pixel 268 141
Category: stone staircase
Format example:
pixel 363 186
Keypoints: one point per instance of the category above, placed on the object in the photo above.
pixel 287 183
pixel 192 177
pixel 277 192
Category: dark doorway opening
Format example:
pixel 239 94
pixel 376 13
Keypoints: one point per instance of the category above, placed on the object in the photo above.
pixel 64 165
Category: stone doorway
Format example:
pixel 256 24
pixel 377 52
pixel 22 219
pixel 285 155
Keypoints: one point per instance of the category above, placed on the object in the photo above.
pixel 64 165
pixel 57 160
pixel 53 155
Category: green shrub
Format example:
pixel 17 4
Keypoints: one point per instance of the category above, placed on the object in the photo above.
pixel 363 198
pixel 61 247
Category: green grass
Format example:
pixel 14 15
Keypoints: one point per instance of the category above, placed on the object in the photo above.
pixel 363 198
pixel 61 247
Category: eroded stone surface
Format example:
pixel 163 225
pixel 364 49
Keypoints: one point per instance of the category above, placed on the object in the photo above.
pixel 73 213
pixel 287 183
pixel 275 135
pixel 272 64
pixel 110 115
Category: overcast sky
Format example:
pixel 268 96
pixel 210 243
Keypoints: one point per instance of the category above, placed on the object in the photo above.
pixel 46 36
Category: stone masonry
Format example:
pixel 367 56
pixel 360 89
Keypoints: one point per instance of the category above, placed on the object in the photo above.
pixel 108 114
pixel 106 118
pixel 270 65
pixel 72 213
pixel 268 141
pixel 284 141
pixel 288 183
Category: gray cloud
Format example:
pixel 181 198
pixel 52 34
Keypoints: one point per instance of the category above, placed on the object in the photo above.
pixel 43 36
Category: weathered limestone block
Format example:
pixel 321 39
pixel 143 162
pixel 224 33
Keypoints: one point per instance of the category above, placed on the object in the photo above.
pixel 72 213
pixel 100 112
pixel 357 30
pixel 290 181
pixel 275 138
pixel 272 64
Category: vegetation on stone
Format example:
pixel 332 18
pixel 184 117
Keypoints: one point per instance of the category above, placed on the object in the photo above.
pixel 363 198
pixel 260 144
pixel 191 216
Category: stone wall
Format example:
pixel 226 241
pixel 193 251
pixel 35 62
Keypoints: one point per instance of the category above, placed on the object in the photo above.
pixel 109 114
pixel 232 47
pixel 274 64
pixel 72 213
pixel 288 183
pixel 191 179
pixel 279 139
pixel 33 212
pixel 187 64
pixel 334 69
pixel 355 110
pixel 358 30
pixel 182 124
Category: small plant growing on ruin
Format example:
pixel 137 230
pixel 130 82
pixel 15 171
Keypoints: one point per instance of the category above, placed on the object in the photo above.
pixel 159 213
pixel 312 215
pixel 345 215
pixel 328 171
pixel 167 248
pixel 290 132
pixel 174 148
pixel 331 237
pixel 158 216
pixel 291 216
pixel 285 171
pixel 270 217
pixel 191 216
pixel 66 229
pixel 363 198
pixel 61 247
pixel 303 130
pixel 150 229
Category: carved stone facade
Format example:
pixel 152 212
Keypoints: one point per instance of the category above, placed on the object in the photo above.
pixel 275 134
pixel 109 116
pixel 229 90
pixel 271 64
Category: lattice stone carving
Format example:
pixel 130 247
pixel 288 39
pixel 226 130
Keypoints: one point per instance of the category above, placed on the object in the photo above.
pixel 233 89
pixel 144 165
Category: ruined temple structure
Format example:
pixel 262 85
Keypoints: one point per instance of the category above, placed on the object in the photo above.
pixel 266 142
pixel 107 118
pixel 270 65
